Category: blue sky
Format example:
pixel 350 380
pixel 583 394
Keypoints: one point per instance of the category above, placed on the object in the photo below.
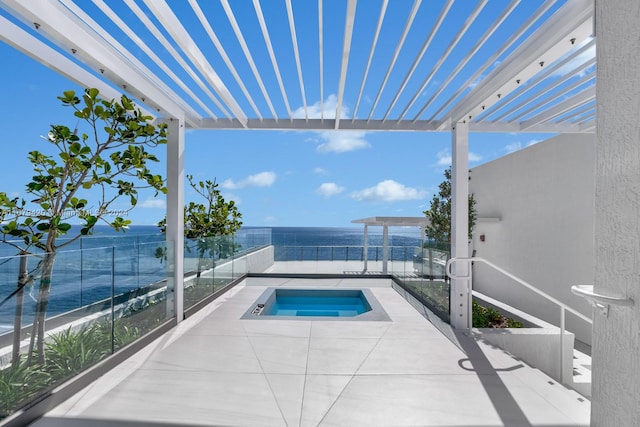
pixel 276 178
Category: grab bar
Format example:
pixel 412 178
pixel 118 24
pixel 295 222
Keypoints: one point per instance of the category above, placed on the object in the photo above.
pixel 599 301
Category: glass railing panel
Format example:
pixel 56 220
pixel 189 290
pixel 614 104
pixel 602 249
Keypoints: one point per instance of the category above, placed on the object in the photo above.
pixel 140 290
pixel 199 263
pixel 422 269
pixel 248 238
pixel 224 272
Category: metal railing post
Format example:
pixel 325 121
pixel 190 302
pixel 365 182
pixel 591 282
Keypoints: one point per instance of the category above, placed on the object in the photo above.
pixel 562 327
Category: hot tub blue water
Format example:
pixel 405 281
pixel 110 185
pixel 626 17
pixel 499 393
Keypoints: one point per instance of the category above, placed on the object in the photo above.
pixel 316 303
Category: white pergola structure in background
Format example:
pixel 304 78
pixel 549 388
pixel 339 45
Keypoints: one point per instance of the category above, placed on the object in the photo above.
pixel 425 66
pixel 385 222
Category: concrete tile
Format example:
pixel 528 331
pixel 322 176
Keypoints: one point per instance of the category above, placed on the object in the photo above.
pixel 364 283
pixel 337 329
pixel 320 393
pixel 566 401
pixel 274 327
pixel 207 398
pixel 202 353
pixel 413 400
pixel 288 391
pixel 281 355
pixel 552 408
pixel 338 355
pixel 423 356
pixel 266 281
pixel 412 330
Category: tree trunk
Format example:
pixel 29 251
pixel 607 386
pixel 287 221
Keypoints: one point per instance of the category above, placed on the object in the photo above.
pixel 37 332
pixel 23 279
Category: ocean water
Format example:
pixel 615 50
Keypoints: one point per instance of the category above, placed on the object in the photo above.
pixel 93 268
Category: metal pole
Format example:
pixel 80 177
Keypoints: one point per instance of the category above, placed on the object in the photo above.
pixel 113 296
pixel 385 248
pixel 562 326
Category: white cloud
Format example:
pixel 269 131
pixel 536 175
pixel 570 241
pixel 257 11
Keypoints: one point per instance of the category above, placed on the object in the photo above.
pixel 517 145
pixel 333 141
pixel 329 107
pixel 320 171
pixel 474 157
pixel 262 179
pixel 341 142
pixel 232 196
pixel 389 191
pixel 445 159
pixel 533 142
pixel 329 189
pixel 153 204
pixel 514 146
pixel 270 219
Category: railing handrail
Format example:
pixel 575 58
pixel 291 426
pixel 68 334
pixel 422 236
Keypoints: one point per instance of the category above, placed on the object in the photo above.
pixel 517 279
pixel 345 246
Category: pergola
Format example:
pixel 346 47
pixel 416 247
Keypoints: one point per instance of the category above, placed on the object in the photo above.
pixel 425 66
pixel 385 222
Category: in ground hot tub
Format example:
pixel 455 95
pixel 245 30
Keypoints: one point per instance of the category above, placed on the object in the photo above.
pixel 308 304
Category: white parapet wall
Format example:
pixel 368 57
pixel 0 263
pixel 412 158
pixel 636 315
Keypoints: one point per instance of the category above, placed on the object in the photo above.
pixel 536 219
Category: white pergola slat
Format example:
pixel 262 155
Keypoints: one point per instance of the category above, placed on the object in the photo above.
pixel 346 48
pixel 296 53
pixel 25 42
pixel 272 56
pixel 180 34
pixel 490 31
pixel 416 61
pixel 139 13
pixel 470 20
pixel 159 59
pixel 396 53
pixel 374 43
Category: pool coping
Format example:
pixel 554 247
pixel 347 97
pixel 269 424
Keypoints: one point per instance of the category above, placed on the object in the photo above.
pixel 376 314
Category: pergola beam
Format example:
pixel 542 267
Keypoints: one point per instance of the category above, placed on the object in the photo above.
pixel 574 21
pixel 95 52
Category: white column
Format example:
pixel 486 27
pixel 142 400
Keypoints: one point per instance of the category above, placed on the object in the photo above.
pixel 616 338
pixel 366 247
pixel 460 288
pixel 385 248
pixel 175 216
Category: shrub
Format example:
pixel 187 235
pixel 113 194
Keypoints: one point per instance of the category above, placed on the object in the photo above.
pixel 19 383
pixel 69 352
pixel 487 317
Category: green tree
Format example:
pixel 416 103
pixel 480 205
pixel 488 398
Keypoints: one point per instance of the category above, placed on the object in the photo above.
pixel 439 213
pixel 207 223
pixel 107 164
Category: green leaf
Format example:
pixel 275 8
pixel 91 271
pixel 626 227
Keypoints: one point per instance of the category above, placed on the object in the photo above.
pixel 93 92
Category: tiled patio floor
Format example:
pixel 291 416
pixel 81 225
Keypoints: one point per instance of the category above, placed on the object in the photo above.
pixel 218 370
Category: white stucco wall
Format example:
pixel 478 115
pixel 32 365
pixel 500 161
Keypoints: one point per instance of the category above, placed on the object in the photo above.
pixel 616 343
pixel 544 198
